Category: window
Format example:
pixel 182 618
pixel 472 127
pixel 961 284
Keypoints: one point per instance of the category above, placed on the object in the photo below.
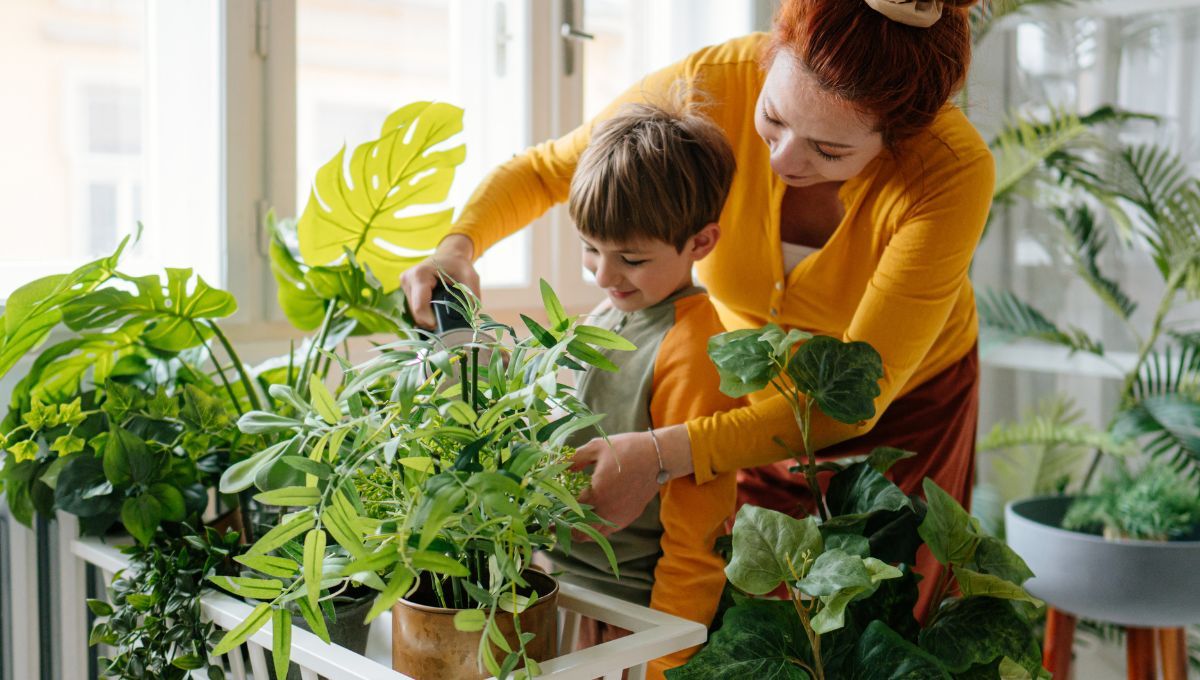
pixel 1136 58
pixel 358 61
pixel 117 123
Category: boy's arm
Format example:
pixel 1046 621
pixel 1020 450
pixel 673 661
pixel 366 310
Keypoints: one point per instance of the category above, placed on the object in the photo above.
pixel 689 577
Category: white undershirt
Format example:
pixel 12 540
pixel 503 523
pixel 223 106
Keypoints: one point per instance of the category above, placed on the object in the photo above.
pixel 794 254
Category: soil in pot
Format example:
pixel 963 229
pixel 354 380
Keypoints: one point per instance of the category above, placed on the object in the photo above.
pixel 348 630
pixel 426 645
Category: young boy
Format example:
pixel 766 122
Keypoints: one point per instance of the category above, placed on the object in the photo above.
pixel 646 198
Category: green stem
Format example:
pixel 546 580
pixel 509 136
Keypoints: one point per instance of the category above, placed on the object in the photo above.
pixel 306 368
pixel 220 372
pixel 238 365
pixel 1174 283
pixel 814 639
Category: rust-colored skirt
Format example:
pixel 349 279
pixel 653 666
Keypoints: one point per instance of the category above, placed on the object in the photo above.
pixel 936 420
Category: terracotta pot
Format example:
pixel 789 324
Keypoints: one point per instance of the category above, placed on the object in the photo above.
pixel 426 645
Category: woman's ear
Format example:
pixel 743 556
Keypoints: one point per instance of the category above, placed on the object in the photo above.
pixel 700 245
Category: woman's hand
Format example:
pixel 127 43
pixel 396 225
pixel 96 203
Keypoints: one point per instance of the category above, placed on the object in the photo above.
pixel 453 256
pixel 626 470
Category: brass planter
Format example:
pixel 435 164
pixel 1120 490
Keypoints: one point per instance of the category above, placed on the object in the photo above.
pixel 426 645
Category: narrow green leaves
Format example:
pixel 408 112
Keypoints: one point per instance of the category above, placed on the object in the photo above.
pixel 235 637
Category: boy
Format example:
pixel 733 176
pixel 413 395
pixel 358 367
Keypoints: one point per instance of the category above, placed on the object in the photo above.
pixel 646 198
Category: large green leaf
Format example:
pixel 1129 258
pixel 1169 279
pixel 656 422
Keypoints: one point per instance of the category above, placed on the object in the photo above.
pixel 951 534
pixel 839 579
pixel 980 630
pixel 126 459
pixel 355 208
pixel 96 352
pixel 883 655
pixel 33 310
pixel 993 556
pixel 770 548
pixel 1171 420
pixel 743 360
pixel 760 639
pixel 860 490
pixel 171 311
pixel 972 583
pixel 141 516
pixel 842 378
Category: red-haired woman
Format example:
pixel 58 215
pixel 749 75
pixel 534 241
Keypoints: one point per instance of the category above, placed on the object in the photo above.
pixel 860 196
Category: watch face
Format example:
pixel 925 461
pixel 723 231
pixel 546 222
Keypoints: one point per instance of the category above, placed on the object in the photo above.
pixel 663 477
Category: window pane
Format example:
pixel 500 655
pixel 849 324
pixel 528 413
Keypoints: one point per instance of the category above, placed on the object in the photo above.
pixel 96 78
pixel 359 60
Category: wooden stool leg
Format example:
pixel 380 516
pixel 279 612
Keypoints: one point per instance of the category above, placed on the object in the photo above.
pixel 1060 634
pixel 1172 642
pixel 1140 657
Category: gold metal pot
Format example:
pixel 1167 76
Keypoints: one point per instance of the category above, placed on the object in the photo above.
pixel 427 646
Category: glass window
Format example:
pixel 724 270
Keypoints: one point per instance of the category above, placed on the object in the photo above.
pixel 358 60
pixel 118 120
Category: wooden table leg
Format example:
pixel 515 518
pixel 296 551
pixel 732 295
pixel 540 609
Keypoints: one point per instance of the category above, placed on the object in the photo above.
pixel 1172 642
pixel 1056 650
pixel 1140 654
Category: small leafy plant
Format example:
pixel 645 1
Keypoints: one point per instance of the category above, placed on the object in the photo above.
pixel 152 620
pixel 847 572
pixel 1156 504
pixel 426 462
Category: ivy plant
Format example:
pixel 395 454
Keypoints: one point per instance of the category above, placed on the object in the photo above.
pixel 847 571
pixel 151 620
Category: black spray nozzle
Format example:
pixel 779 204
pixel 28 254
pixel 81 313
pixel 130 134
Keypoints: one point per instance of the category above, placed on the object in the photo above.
pixel 448 317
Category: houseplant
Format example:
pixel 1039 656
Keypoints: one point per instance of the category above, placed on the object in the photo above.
pixel 846 572
pixel 426 464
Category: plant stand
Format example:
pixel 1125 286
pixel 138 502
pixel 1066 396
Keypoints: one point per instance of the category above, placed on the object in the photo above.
pixel 655 634
pixel 1151 588
pixel 1143 647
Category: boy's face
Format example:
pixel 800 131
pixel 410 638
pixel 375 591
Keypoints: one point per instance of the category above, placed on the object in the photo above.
pixel 642 273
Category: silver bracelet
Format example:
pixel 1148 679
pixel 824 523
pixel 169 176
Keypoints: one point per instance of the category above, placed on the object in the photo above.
pixel 663 476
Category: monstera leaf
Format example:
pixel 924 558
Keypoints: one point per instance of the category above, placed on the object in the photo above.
pixel 361 209
pixel 171 310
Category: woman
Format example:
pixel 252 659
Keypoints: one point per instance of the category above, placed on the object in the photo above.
pixel 860 196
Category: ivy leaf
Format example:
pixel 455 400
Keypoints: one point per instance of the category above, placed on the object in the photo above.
pixel 205 412
pixel 354 208
pixel 951 534
pixel 980 630
pixel 758 639
pixel 883 655
pixel 743 360
pixel 973 583
pixel 170 501
pixel 993 556
pixel 769 548
pixel 884 457
pixel 859 490
pixel 842 378
pixel 126 460
pixel 141 516
pixel 23 451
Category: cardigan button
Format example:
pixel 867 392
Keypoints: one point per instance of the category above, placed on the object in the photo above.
pixel 774 312
pixel 779 285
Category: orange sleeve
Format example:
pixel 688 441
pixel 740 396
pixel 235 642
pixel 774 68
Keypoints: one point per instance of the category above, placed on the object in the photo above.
pixel 689 577
pixel 908 301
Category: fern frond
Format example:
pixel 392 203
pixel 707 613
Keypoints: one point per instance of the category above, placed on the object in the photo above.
pixel 1169 372
pixel 985 15
pixel 1049 431
pixel 1024 145
pixel 1158 182
pixel 1083 245
pixel 1004 313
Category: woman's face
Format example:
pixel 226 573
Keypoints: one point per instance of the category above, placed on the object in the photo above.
pixel 814 137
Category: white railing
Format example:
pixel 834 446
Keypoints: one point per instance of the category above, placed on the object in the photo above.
pixel 655 634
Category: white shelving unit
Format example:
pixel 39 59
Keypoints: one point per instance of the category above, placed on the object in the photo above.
pixel 655 634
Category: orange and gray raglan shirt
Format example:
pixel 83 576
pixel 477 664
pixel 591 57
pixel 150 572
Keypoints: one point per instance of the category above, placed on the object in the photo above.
pixel 665 557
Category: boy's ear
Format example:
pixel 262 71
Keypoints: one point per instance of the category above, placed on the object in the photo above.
pixel 700 245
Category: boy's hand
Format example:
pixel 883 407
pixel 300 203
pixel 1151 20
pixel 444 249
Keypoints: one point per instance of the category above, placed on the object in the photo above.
pixel 623 482
pixel 453 256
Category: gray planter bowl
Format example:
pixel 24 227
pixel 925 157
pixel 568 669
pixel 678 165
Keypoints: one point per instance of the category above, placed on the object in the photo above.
pixel 1147 584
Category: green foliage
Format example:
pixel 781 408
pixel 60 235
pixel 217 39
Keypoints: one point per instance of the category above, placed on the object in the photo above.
pixel 1156 504
pixel 851 593
pixel 398 170
pixel 446 467
pixel 152 619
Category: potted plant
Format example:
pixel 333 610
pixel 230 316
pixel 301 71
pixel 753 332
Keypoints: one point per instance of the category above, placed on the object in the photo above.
pixel 431 474
pixel 850 589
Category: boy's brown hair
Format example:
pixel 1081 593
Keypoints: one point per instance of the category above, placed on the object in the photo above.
pixel 651 172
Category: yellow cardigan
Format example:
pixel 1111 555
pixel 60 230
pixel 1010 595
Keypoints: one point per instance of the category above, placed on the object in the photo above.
pixel 893 274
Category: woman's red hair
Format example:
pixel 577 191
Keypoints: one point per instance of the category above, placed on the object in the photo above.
pixel 899 75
